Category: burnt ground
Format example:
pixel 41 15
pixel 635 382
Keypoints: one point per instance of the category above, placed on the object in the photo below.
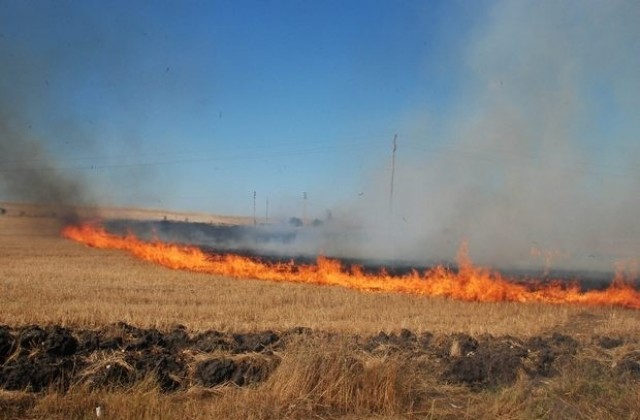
pixel 276 243
pixel 40 358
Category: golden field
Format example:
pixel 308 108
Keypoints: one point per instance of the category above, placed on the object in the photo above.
pixel 47 280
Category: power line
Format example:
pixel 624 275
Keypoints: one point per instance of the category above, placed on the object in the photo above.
pixel 493 156
pixel 273 154
pixel 265 146
pixel 105 162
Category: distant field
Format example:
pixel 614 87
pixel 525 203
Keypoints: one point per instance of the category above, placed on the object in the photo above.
pixel 39 211
pixel 47 280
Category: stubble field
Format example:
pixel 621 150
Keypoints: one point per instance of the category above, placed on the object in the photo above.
pixel 257 349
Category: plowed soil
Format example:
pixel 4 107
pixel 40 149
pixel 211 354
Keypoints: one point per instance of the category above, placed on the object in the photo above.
pixel 35 358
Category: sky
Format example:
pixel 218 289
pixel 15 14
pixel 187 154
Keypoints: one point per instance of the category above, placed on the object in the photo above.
pixel 516 121
pixel 195 105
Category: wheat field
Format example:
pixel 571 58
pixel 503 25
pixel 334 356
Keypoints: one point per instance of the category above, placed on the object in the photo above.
pixel 47 280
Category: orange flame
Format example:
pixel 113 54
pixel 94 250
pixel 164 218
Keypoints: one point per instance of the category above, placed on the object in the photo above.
pixel 470 283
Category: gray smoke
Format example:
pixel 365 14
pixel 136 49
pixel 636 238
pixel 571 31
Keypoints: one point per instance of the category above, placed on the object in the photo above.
pixel 537 168
pixel 28 174
pixel 540 166
pixel 27 170
pixel 41 137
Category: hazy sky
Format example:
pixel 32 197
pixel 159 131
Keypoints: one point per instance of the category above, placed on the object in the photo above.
pixel 194 105
pixel 517 121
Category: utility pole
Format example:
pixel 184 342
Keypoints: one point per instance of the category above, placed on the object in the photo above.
pixel 304 207
pixel 393 170
pixel 254 209
pixel 266 213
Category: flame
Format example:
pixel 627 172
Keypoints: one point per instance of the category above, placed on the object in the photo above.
pixel 469 283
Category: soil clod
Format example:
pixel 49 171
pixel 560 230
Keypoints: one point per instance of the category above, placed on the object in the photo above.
pixel 120 355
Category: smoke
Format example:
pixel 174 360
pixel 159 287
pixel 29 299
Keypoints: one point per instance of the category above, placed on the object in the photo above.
pixel 537 165
pixel 536 168
pixel 60 64
pixel 540 165
pixel 28 174
pixel 28 171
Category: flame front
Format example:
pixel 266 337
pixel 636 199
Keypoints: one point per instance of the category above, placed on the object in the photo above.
pixel 469 283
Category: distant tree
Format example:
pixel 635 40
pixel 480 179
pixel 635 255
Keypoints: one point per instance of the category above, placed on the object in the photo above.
pixel 317 223
pixel 296 221
pixel 3 210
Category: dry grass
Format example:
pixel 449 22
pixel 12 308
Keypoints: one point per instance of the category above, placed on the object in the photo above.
pixel 331 379
pixel 45 279
pixel 43 211
pixel 584 389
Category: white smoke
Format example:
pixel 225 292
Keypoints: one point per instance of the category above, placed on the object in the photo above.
pixel 543 159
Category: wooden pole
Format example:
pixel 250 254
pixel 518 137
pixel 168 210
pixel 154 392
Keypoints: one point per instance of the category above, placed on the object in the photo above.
pixel 304 207
pixel 393 171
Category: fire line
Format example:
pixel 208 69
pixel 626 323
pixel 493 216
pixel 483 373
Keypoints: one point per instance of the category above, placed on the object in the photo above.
pixel 469 283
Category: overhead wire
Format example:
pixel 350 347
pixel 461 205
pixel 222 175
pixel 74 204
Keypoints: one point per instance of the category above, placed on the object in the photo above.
pixel 499 156
pixel 269 151
pixel 273 151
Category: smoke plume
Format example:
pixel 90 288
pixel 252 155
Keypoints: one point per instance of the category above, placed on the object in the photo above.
pixel 540 166
pixel 537 165
pixel 28 170
pixel 536 168
pixel 28 175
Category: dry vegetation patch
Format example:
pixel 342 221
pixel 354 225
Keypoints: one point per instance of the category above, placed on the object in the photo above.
pixel 88 328
pixel 46 279
pixel 299 373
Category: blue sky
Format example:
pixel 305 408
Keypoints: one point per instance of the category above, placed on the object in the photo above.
pixel 194 105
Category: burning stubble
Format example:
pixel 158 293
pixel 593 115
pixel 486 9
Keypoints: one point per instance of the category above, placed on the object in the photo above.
pixel 469 283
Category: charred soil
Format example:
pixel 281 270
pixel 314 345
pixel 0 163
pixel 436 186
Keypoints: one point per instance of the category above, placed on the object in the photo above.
pixel 35 358
pixel 302 372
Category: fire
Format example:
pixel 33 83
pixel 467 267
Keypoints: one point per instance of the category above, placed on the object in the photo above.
pixel 469 283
